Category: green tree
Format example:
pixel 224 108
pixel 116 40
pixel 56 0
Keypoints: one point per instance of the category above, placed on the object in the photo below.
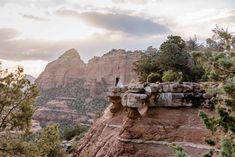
pixel 48 142
pixel 172 56
pixel 220 67
pixel 222 40
pixel 148 65
pixel 16 98
pixel 45 143
pixel 192 45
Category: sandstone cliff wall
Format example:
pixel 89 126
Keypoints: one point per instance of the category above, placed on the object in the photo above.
pixel 69 67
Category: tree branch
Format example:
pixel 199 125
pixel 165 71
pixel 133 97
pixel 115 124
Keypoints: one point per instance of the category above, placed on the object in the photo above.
pixel 11 110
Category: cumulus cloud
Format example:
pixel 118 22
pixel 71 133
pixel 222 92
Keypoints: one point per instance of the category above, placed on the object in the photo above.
pixel 8 34
pixel 133 25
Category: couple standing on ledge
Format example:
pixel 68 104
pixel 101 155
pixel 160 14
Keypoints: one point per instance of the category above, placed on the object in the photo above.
pixel 118 82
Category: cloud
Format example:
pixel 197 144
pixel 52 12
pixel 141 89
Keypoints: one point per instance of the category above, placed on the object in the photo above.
pixel 95 45
pixel 130 1
pixel 34 18
pixel 228 18
pixel 8 34
pixel 37 3
pixel 132 25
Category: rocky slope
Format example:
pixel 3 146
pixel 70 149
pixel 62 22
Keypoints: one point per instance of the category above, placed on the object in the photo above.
pixel 141 122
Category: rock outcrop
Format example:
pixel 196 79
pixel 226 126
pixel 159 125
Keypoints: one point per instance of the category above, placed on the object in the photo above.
pixel 143 122
pixel 85 83
pixel 69 67
pixel 62 71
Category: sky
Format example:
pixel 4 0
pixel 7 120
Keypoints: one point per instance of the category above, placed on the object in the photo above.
pixel 35 32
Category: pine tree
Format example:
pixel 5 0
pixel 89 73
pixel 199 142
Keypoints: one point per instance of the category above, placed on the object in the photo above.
pixel 220 67
pixel 17 96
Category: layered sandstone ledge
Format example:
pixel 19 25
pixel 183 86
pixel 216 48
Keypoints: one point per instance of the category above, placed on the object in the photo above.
pixel 144 120
pixel 166 95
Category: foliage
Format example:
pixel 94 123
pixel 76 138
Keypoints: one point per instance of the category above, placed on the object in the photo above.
pixel 70 132
pixel 172 56
pixel 49 142
pixel 210 142
pixel 227 149
pixel 72 90
pixel 171 76
pixel 222 40
pixel 16 98
pixel 80 94
pixel 192 45
pixel 147 65
pixel 179 151
pixel 209 154
pixel 210 123
pixel 220 67
pixel 153 77
pixel 45 143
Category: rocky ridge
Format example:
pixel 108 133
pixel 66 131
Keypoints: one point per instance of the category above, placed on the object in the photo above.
pixel 140 121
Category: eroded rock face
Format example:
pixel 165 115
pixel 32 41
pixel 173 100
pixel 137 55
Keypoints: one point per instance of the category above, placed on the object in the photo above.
pixel 128 133
pixel 149 136
pixel 69 67
pixel 62 71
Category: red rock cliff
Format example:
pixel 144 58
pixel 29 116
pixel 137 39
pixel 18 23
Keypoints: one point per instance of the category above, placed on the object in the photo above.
pixel 69 67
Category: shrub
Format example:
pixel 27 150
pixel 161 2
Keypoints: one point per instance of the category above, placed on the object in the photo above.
pixel 179 151
pixel 170 76
pixel 153 77
pixel 227 149
pixel 77 130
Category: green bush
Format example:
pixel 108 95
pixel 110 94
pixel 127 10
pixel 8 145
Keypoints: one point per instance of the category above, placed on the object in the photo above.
pixel 153 77
pixel 227 149
pixel 171 76
pixel 179 151
pixel 70 132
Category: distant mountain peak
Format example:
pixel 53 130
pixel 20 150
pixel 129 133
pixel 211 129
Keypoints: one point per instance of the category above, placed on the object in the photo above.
pixel 30 78
pixel 72 53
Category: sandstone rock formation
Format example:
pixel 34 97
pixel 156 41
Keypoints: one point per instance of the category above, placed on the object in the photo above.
pixel 65 69
pixel 86 83
pixel 69 67
pixel 125 131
